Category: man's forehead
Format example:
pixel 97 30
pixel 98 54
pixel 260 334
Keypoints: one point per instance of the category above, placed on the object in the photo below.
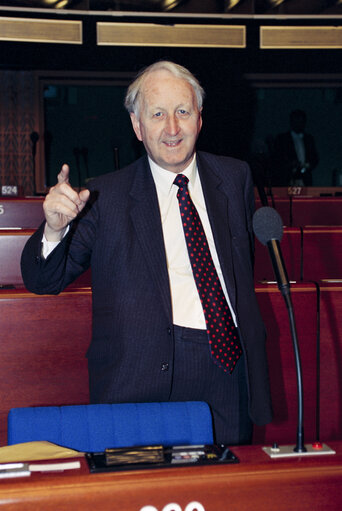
pixel 158 82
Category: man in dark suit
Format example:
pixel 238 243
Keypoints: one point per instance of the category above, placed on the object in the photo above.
pixel 295 154
pixel 150 338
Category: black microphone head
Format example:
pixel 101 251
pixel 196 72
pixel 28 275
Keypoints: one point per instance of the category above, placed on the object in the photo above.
pixel 267 225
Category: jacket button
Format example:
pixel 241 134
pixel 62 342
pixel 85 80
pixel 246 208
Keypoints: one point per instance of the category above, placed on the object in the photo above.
pixel 169 330
pixel 165 367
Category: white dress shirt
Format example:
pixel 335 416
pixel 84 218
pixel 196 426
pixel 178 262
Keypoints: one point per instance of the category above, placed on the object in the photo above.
pixel 186 306
pixel 298 140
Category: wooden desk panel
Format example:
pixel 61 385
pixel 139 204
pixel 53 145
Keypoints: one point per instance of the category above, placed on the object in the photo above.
pixel 282 363
pixel 42 350
pixel 44 340
pixel 257 482
pixel 24 212
pixel 316 211
pixel 12 242
pixel 331 360
pixel 322 249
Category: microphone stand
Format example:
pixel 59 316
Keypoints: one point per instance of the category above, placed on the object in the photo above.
pixel 300 447
pixel 284 287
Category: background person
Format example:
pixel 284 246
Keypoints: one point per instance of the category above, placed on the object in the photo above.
pixel 295 154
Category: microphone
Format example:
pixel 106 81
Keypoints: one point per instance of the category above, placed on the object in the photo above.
pixel 268 228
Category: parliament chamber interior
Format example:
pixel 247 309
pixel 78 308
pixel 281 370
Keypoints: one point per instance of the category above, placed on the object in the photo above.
pixel 44 339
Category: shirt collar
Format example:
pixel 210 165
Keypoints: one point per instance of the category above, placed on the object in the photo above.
pixel 164 178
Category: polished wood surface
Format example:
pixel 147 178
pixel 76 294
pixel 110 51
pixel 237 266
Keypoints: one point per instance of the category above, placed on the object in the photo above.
pixel 44 340
pixel 257 483
pixel 281 361
pixel 12 243
pixel 316 211
pixel 24 212
pixel 305 208
pixel 331 360
pixel 322 248
pixel 43 344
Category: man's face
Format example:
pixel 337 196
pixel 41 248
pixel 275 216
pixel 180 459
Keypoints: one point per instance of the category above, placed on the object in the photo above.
pixel 169 120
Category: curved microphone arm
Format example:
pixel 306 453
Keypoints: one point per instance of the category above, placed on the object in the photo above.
pixel 300 447
pixel 284 287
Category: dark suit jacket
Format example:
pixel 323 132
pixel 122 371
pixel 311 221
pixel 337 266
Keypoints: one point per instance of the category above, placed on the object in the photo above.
pixel 120 236
pixel 286 159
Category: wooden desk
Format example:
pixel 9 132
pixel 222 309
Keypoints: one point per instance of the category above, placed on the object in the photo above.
pixel 12 243
pixel 43 344
pixel 316 211
pixel 282 371
pixel 257 483
pixel 308 208
pixel 322 247
pixel 331 360
pixel 24 212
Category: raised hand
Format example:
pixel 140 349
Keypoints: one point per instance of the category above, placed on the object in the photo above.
pixel 62 205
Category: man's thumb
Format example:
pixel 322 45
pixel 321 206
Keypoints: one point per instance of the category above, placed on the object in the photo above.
pixel 63 176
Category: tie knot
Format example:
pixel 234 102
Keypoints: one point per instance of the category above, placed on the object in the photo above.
pixel 181 180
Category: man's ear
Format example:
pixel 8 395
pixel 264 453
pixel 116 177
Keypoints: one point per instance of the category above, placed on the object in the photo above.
pixel 136 126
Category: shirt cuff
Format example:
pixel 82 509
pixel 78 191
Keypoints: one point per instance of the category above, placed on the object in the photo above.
pixel 49 246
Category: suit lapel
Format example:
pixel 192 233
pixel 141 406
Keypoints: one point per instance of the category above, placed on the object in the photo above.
pixel 216 198
pixel 146 220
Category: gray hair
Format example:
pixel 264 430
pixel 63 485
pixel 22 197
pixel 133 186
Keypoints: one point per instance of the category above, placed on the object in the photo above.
pixel 132 100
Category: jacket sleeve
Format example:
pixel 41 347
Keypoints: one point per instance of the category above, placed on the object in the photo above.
pixel 65 263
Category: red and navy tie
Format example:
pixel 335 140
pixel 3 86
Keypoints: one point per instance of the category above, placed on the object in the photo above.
pixel 224 340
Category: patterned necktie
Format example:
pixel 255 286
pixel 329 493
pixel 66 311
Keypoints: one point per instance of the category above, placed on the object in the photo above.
pixel 223 336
